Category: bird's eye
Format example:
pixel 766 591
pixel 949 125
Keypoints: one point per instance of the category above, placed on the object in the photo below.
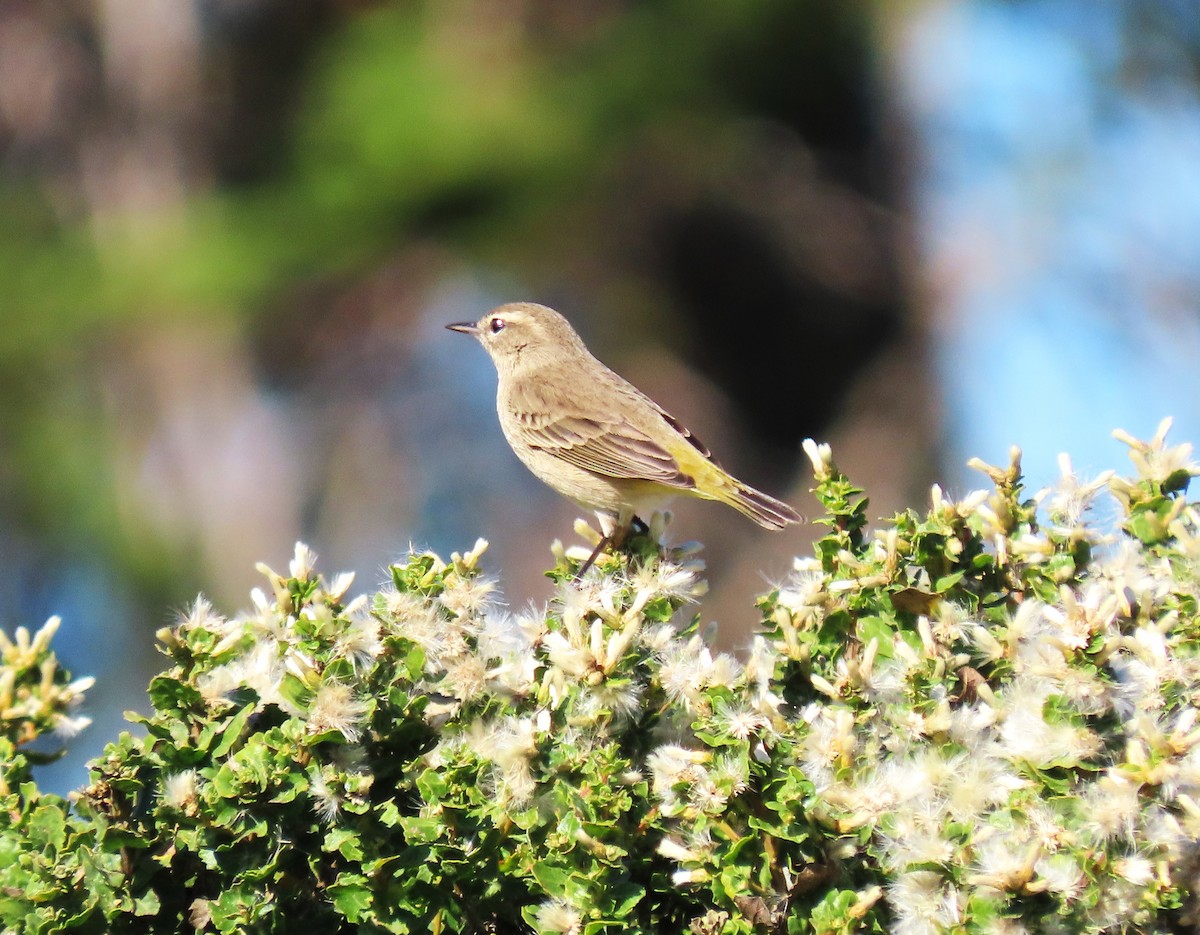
pixel 497 325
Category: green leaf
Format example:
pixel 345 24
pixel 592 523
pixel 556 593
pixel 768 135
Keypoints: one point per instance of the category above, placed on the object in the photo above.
pixel 115 837
pixel 292 785
pixel 47 827
pixel 624 897
pixel 388 814
pixel 529 914
pixel 345 842
pixel 1177 481
pixel 147 904
pixel 414 663
pixel 294 691
pixel 231 732
pixel 551 878
pixel 946 582
pixel 432 785
pixel 421 830
pixel 169 694
pixel 876 628
pixel 351 896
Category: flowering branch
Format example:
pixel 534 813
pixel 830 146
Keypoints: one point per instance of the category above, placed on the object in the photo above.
pixel 977 718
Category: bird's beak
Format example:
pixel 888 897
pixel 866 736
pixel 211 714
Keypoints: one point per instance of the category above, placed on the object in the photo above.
pixel 466 327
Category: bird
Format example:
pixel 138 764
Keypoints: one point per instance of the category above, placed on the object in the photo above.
pixel 592 436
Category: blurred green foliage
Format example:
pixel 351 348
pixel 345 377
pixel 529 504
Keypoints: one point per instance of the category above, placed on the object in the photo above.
pixel 406 123
pixel 406 119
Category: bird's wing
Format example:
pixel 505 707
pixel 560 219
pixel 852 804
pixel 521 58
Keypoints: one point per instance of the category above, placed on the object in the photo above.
pixel 603 444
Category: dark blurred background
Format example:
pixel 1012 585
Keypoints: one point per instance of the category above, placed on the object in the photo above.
pixel 232 230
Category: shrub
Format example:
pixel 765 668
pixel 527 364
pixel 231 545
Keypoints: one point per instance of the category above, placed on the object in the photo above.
pixel 981 718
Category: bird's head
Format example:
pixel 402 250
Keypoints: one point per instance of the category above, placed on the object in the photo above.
pixel 521 334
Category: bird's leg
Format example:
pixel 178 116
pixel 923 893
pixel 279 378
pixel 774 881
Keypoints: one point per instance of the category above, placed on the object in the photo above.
pixel 600 547
pixel 614 531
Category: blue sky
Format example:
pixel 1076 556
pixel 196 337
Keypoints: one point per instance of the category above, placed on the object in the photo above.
pixel 1058 214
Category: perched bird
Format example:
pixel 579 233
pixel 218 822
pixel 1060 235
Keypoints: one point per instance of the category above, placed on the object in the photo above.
pixel 593 436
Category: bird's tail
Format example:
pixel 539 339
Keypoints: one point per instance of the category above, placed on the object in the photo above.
pixel 764 510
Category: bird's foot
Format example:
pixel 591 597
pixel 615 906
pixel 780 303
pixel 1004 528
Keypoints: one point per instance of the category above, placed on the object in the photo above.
pixel 620 537
pixel 635 539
